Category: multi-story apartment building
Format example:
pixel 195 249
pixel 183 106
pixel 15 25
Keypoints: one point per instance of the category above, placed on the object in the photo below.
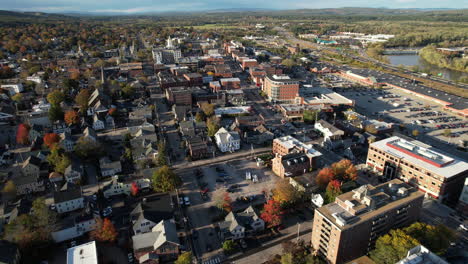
pixel 348 228
pixel 433 172
pixel 281 87
pixel 179 95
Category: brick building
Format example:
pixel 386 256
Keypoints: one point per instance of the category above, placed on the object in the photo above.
pixel 281 87
pixel 433 172
pixel 179 95
pixel 348 228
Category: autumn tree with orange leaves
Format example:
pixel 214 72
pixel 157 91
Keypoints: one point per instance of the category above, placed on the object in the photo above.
pixel 343 171
pixel 22 134
pixel 105 231
pixel 134 189
pixel 51 140
pixel 272 213
pixel 72 117
pixel 333 190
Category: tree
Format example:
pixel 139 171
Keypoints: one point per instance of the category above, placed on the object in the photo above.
pixel 22 134
pixel 51 139
pixel 134 189
pixel 392 247
pixel 435 238
pixel 17 98
pixel 55 97
pixel 288 63
pixel 113 111
pixel 208 109
pixel 285 193
pixel 128 91
pixel 184 258
pixel 344 170
pixel 272 213
pixel 88 149
pixel 81 100
pixel 162 158
pixel 333 190
pixel 310 116
pixel 9 190
pixel 58 160
pixel 104 231
pixel 212 124
pixel 34 229
pixel 165 180
pixel 200 117
pixel 55 113
pixel 324 176
pixel 415 133
pixel 75 75
pixel 222 200
pixel 229 246
pixel 71 117
pixel 371 129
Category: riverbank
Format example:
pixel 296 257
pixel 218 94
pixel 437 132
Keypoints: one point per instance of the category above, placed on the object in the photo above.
pixel 431 56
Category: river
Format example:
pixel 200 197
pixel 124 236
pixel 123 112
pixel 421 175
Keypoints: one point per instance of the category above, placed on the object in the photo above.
pixel 415 60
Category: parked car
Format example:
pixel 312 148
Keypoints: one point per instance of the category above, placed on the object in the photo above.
pixel 130 258
pixel 243 244
pixel 107 211
pixel 186 201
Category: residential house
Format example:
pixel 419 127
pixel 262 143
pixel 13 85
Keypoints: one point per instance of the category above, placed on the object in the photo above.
pixel 118 186
pixel 260 135
pixel 74 172
pixel 67 141
pixel 242 224
pixel 227 141
pixel 109 122
pixel 60 127
pixel 36 131
pixel 187 129
pixel 31 167
pixel 151 211
pixel 72 227
pixel 108 167
pixel 158 246
pixel 13 88
pixel 181 112
pixel 290 165
pixel 144 146
pixel 98 123
pixel 55 177
pixel 83 254
pixel 198 148
pixel 328 130
pixel 90 133
pixel 68 198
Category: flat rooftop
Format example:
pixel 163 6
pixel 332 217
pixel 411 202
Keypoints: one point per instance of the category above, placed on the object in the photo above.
pixel 322 95
pixel 83 254
pixel 367 201
pixel 422 155
pixel 289 142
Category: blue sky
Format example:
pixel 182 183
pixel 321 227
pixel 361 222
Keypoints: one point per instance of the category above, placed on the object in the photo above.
pixel 136 6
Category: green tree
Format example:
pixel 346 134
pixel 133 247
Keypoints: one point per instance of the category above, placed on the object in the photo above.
pixel 56 113
pixel 128 91
pixel 55 97
pixel 288 63
pixel 229 246
pixel 162 157
pixel 200 117
pixel 17 98
pixel 165 180
pixel 88 149
pixel 58 159
pixel 436 238
pixel 212 124
pixel 184 258
pixel 208 109
pixel 415 133
pixel 392 247
pixel 310 116
pixel 81 100
pixel 447 132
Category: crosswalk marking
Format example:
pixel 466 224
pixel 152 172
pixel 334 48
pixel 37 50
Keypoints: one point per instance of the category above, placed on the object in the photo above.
pixel 212 261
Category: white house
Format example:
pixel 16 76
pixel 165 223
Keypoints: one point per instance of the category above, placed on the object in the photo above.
pixel 328 130
pixel 116 187
pixel 227 141
pixel 67 142
pixel 73 172
pixel 109 168
pixel 241 224
pixel 68 199
pixel 68 229
pixel 13 88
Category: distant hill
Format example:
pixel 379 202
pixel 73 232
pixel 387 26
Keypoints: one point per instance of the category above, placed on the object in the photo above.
pixel 13 16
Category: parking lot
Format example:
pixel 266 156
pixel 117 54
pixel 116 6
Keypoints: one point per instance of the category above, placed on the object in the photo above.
pixel 395 106
pixel 200 189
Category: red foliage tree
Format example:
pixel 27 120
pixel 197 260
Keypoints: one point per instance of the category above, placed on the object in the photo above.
pixel 105 231
pixel 272 213
pixel 333 190
pixel 71 117
pixel 134 189
pixel 112 111
pixel 51 139
pixel 324 176
pixel 22 134
pixel 344 170
pixel 227 201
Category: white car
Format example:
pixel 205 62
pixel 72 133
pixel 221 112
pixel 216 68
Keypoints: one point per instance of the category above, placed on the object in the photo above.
pixel 186 201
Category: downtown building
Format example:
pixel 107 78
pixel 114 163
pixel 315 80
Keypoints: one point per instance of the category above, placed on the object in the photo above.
pixel 349 227
pixel 281 88
pixel 437 174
